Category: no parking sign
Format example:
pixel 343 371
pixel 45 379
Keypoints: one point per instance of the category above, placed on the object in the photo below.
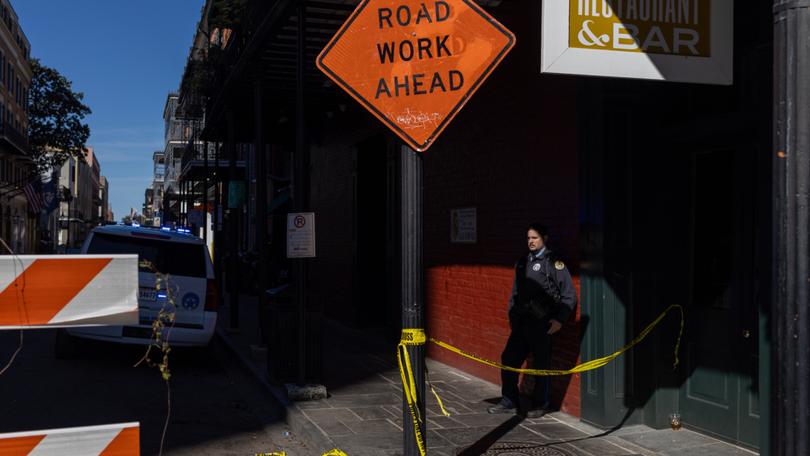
pixel 301 235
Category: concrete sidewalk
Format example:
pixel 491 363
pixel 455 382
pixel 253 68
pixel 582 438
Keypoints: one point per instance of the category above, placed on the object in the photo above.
pixel 363 413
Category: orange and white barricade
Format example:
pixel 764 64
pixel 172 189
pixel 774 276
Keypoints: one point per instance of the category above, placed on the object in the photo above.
pixel 107 440
pixel 68 290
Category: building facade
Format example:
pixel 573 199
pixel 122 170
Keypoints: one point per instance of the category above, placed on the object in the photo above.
pixel 158 174
pixel 18 223
pixel 656 194
pixel 104 193
pixel 146 210
pixel 178 130
pixel 81 200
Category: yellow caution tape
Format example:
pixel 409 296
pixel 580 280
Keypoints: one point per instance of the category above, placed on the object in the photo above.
pixel 590 365
pixel 438 399
pixel 411 336
pixel 335 452
pixel 332 452
pixel 416 336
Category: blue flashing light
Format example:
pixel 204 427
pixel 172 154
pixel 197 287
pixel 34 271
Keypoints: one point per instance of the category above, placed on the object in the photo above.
pixel 165 228
pixel 136 224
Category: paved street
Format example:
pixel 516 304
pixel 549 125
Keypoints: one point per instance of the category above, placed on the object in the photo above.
pixel 216 409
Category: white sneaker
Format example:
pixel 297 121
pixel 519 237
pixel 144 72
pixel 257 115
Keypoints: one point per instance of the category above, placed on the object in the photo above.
pixel 504 406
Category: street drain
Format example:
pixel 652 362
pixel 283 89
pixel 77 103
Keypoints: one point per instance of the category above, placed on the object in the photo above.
pixel 523 449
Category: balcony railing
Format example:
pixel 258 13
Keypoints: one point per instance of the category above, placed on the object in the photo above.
pixel 254 13
pixel 195 152
pixel 17 139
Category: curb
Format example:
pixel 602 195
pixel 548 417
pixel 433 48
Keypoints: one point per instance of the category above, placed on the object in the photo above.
pixel 294 416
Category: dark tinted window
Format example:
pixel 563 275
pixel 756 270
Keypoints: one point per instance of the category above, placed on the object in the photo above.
pixel 167 257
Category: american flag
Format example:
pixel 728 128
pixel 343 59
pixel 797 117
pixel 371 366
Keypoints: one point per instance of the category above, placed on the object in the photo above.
pixel 34 197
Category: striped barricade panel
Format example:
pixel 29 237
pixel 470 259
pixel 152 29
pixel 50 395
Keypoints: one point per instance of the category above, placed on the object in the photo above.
pixel 68 290
pixel 107 440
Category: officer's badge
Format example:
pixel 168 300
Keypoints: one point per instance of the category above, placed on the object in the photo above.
pixel 536 267
pixel 559 265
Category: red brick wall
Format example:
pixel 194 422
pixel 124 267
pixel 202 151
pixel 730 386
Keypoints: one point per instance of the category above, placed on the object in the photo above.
pixel 466 309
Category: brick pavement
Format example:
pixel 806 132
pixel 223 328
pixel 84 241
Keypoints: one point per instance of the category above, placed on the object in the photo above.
pixel 363 413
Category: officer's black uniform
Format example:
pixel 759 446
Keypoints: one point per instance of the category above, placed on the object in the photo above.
pixel 542 290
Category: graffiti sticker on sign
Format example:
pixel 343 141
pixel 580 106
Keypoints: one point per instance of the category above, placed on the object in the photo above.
pixel 673 40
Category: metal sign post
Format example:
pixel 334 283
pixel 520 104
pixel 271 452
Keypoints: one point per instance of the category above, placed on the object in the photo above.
pixel 300 161
pixel 413 286
pixel 790 315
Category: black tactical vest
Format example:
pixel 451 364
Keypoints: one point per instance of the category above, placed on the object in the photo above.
pixel 537 290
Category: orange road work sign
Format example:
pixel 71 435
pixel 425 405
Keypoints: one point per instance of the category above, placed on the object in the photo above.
pixel 415 63
pixel 68 290
pixel 106 440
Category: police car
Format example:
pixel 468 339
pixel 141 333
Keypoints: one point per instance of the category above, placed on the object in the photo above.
pixel 177 255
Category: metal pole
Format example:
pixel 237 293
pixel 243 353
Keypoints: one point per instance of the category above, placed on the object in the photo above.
pixel 233 275
pixel 192 198
pixel 790 316
pixel 413 289
pixel 261 202
pixel 182 202
pixel 299 188
pixel 205 193
pixel 217 223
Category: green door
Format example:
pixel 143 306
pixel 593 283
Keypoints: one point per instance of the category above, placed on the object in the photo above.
pixel 607 275
pixel 720 352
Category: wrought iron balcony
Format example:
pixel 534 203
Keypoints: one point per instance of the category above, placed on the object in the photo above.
pixel 14 138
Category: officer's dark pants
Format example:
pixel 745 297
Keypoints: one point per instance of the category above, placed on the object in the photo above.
pixel 529 335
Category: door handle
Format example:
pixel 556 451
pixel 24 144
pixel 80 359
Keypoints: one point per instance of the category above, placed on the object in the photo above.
pixel 746 333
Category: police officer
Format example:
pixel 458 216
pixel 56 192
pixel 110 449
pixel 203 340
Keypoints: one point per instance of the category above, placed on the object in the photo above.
pixel 543 298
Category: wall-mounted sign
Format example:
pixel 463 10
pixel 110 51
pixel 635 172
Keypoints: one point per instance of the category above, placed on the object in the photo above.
pixel 301 235
pixel 463 225
pixel 671 40
pixel 415 63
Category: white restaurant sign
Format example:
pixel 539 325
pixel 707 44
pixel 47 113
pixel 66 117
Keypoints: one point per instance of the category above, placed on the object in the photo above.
pixel 670 40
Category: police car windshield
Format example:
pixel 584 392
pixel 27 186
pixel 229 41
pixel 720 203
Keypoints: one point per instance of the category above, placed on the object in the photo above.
pixel 172 258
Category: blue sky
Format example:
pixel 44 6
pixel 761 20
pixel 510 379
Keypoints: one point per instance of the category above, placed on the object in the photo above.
pixel 126 56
